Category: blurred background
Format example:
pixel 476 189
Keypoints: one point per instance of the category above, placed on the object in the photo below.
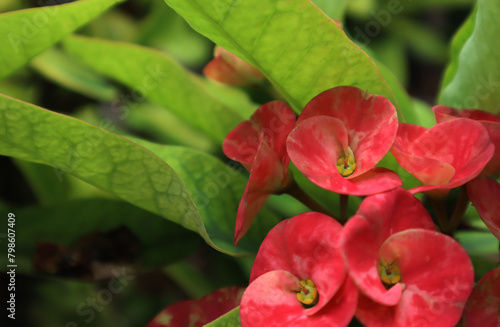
pixel 71 248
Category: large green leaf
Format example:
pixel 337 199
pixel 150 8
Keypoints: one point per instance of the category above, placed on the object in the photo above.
pixel 216 189
pixel 162 241
pixel 230 319
pixel 202 195
pixel 472 79
pixel 299 49
pixel 158 78
pixel 60 68
pixel 164 127
pixel 26 33
pixel 164 29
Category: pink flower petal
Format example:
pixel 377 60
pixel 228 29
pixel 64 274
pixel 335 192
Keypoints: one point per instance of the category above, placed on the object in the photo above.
pixel 378 217
pixel 461 143
pixel 444 113
pixel 395 211
pixel 266 177
pixel 437 276
pixel 370 121
pixel 493 167
pixel 270 301
pixel 197 313
pixel 483 306
pixel 361 244
pixel 484 194
pixel 488 120
pixel 306 245
pixel 374 181
pixel 227 68
pixel 316 144
pixel 221 71
pixel 427 170
pixel 275 120
pixel 241 143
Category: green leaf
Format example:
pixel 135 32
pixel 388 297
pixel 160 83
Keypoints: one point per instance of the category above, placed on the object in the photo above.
pixel 472 79
pixel 164 127
pixel 392 53
pixel 160 79
pixel 403 99
pixel 58 67
pixel 234 97
pixel 26 33
pixel 298 48
pixel 164 29
pixel 162 241
pixel 216 190
pixel 406 107
pixel 230 319
pixel 194 189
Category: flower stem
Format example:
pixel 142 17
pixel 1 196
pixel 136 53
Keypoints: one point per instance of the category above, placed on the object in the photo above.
pixel 460 208
pixel 344 201
pixel 298 193
pixel 440 209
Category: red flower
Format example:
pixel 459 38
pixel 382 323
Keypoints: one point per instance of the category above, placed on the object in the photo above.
pixel 445 156
pixel 299 277
pixel 489 121
pixel 407 273
pixel 340 136
pixel 484 194
pixel 483 306
pixel 259 144
pixel 197 313
pixel 227 68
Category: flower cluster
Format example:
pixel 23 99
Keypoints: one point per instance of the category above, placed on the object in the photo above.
pixel 389 265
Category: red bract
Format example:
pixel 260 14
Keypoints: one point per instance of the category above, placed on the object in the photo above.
pixel 407 273
pixel 489 121
pixel 259 144
pixel 484 194
pixel 483 306
pixel 227 68
pixel 445 156
pixel 297 249
pixel 340 136
pixel 197 313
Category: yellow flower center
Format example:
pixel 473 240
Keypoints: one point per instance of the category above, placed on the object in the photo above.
pixel 389 273
pixel 346 164
pixel 307 294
